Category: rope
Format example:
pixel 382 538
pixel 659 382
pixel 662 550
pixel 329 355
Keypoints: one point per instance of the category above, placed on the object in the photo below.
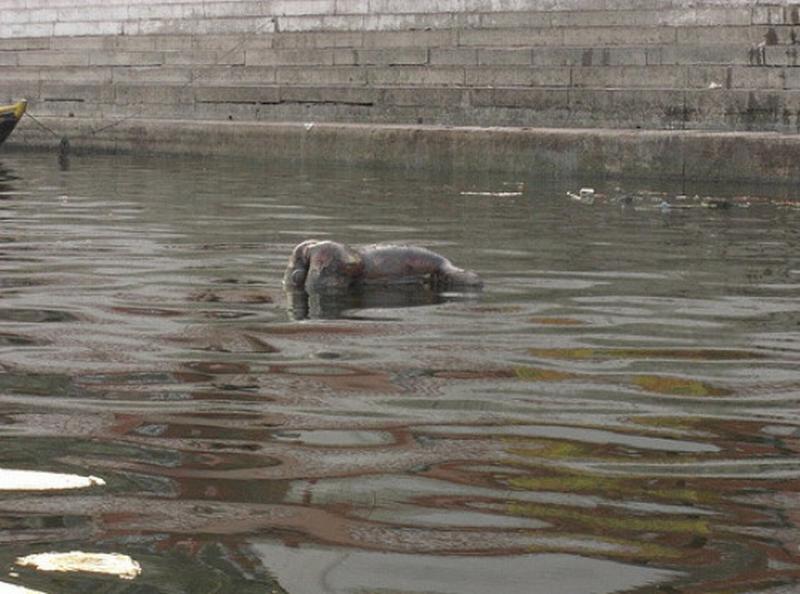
pixel 63 144
pixel 41 125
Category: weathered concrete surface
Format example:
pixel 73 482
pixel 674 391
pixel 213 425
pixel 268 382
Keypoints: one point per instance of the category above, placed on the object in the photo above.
pixel 659 65
pixel 32 18
pixel 548 152
pixel 671 64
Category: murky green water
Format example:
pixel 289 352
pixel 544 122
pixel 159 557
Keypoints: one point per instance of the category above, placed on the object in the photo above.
pixel 618 411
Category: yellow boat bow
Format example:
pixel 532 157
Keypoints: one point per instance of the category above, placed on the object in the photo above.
pixel 9 116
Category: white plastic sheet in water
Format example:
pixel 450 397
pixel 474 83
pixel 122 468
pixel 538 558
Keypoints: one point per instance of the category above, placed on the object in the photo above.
pixel 6 588
pixel 107 563
pixel 34 480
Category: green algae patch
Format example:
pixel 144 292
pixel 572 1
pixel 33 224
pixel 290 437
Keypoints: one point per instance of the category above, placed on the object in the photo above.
pixel 676 386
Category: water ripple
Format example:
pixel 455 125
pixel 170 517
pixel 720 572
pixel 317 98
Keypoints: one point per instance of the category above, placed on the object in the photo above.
pixel 616 412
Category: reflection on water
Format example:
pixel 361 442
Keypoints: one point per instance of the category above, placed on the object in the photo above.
pixel 346 304
pixel 616 412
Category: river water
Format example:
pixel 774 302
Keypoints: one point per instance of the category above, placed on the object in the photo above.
pixel 617 411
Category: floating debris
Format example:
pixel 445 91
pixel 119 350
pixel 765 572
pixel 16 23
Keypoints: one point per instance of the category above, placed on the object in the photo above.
pixel 709 202
pixel 648 200
pixel 34 480
pixel 652 200
pixel 584 196
pixel 493 194
pixel 664 205
pixel 106 563
pixel 684 202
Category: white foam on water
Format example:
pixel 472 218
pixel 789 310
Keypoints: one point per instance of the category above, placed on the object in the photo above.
pixel 106 563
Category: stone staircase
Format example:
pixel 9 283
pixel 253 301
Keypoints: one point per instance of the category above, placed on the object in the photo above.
pixel 540 63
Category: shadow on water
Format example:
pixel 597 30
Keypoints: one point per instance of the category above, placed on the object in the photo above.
pixel 616 412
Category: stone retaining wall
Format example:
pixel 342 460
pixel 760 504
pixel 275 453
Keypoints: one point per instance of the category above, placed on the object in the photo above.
pixel 536 152
pixel 651 64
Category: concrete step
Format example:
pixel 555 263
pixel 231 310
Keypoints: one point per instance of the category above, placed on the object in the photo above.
pixel 384 6
pixel 95 52
pixel 676 45
pixel 116 17
pixel 723 109
pixel 654 76
pixel 593 29
pixel 235 53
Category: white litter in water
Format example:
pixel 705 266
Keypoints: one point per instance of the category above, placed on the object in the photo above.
pixel 6 588
pixel 34 480
pixel 108 563
pixel 495 194
pixel 584 195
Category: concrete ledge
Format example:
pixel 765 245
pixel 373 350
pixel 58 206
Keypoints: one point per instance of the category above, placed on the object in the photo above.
pixel 548 152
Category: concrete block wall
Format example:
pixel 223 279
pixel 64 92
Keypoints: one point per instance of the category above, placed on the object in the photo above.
pixel 651 64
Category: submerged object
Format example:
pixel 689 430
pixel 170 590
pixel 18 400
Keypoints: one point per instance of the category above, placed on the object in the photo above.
pixel 322 265
pixel 10 115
